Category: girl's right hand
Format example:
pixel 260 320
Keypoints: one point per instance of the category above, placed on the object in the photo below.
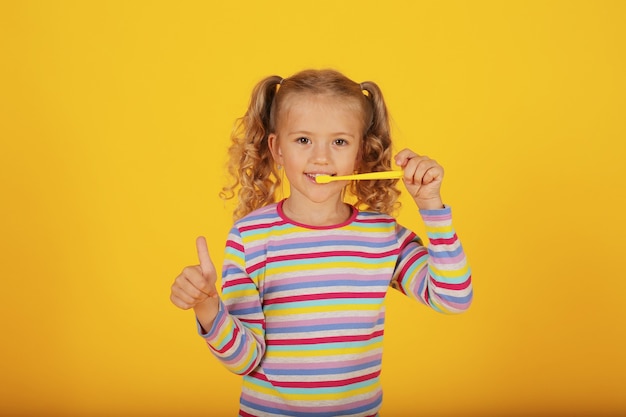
pixel 195 286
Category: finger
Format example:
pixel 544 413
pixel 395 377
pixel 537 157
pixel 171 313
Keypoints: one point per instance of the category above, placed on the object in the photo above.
pixel 180 303
pixel 187 291
pixel 433 174
pixel 421 170
pixel 414 169
pixel 403 157
pixel 185 302
pixel 193 280
pixel 203 256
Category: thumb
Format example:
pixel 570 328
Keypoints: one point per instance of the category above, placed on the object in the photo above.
pixel 206 265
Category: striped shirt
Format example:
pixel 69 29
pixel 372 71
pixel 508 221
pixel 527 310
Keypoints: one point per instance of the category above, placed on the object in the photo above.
pixel 301 315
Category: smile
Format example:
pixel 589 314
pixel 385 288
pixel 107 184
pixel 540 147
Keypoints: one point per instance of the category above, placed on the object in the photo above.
pixel 313 175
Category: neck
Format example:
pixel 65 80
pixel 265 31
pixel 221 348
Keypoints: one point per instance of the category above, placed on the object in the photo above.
pixel 322 214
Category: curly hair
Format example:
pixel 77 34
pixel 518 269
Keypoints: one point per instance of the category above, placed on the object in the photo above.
pixel 255 175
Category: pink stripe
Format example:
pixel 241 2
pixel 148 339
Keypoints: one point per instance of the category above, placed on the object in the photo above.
pixel 326 384
pixel 448 260
pixel 305 279
pixel 338 407
pixel 436 217
pixel 319 321
pixel 324 240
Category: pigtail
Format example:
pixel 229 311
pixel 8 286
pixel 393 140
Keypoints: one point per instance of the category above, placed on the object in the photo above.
pixel 250 162
pixel 376 154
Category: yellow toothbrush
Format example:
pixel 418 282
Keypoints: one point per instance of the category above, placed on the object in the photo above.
pixel 381 175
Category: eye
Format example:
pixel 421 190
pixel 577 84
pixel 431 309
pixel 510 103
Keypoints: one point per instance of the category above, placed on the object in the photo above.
pixel 303 140
pixel 341 142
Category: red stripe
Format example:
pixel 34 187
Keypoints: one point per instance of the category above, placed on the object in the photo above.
pixel 258 375
pixel 230 343
pixel 376 220
pixel 253 321
pixel 257 266
pixel 260 226
pixel 323 296
pixel 409 239
pixel 444 240
pixel 234 245
pixel 253 365
pixel 236 282
pixel 409 262
pixel 456 287
pixel 330 254
pixel 320 340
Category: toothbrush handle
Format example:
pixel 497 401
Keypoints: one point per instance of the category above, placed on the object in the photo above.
pixel 381 175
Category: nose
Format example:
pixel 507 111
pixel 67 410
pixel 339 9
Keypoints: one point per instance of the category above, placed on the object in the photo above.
pixel 321 153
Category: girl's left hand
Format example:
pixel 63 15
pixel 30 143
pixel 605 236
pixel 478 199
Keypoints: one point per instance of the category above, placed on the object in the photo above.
pixel 422 177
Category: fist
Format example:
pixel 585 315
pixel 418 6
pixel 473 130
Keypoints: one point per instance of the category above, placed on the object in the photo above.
pixel 195 284
pixel 422 177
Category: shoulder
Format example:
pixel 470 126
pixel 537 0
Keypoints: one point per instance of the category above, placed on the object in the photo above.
pixel 374 217
pixel 384 223
pixel 260 218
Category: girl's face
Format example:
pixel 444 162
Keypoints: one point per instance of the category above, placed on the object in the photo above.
pixel 317 134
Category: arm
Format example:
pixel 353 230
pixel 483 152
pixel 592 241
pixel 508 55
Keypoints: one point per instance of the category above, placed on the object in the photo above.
pixel 439 275
pixel 237 334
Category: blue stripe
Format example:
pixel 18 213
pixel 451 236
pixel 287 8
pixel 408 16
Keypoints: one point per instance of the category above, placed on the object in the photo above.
pixel 446 254
pixel 325 327
pixel 265 230
pixel 440 235
pixel 453 299
pixel 375 404
pixel 237 351
pixel 244 311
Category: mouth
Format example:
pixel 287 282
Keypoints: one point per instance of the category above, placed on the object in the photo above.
pixel 313 175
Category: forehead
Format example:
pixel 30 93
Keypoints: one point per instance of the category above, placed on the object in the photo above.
pixel 320 108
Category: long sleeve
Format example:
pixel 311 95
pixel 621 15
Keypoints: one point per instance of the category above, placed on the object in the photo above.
pixel 437 275
pixel 237 337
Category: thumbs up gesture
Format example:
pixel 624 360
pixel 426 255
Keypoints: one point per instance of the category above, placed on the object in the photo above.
pixel 195 286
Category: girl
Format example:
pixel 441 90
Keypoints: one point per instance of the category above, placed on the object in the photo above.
pixel 301 313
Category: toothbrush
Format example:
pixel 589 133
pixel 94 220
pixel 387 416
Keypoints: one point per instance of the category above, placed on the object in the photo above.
pixel 381 175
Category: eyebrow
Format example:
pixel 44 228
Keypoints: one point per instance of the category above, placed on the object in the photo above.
pixel 304 132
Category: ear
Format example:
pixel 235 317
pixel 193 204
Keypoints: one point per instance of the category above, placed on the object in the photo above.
pixel 277 154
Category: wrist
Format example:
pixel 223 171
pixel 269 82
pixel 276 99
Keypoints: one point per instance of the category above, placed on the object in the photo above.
pixel 206 311
pixel 430 204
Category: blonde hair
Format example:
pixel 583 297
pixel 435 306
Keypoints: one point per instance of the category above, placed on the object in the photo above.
pixel 255 175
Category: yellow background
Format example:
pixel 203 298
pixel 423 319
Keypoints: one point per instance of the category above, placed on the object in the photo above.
pixel 115 118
